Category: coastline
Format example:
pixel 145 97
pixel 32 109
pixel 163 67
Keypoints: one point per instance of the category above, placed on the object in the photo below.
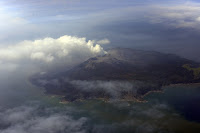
pixel 133 99
pixel 171 85
pixel 183 84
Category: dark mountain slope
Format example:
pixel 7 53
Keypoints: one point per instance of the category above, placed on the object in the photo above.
pixel 121 73
pixel 128 64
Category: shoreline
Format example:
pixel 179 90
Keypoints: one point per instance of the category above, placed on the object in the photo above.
pixel 185 84
pixel 170 85
pixel 137 100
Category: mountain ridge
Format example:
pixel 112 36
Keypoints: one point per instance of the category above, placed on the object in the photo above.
pixel 140 71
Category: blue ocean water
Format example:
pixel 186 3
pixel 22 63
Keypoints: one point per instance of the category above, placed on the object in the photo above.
pixel 183 98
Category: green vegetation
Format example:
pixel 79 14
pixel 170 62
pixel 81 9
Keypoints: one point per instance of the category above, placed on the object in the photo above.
pixel 196 71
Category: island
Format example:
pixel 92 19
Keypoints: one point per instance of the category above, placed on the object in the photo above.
pixel 120 74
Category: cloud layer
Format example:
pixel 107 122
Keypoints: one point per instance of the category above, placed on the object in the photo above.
pixel 185 15
pixel 26 119
pixel 105 41
pixel 65 50
pixel 113 88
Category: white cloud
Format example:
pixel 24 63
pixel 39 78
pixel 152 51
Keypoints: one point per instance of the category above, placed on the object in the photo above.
pixel 185 15
pixel 104 41
pixel 66 50
pixel 198 19
pixel 113 88
pixel 26 119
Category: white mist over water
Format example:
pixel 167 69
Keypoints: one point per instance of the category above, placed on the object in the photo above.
pixel 20 61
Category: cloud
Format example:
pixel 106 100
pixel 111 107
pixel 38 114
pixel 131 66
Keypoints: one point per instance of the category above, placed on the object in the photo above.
pixel 184 15
pixel 83 89
pixel 104 41
pixel 35 118
pixel 10 19
pixel 173 14
pixel 28 119
pixel 65 50
pixel 142 119
pixel 112 88
pixel 155 112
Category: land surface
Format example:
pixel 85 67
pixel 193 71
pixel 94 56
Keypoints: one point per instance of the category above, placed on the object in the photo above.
pixel 121 74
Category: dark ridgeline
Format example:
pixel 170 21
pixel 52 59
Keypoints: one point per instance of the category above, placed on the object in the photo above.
pixel 151 70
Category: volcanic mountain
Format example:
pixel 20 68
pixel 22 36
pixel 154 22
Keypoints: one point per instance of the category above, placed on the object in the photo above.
pixel 121 73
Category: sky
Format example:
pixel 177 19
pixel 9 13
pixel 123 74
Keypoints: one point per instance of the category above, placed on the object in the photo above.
pixel 46 32
pixel 41 35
